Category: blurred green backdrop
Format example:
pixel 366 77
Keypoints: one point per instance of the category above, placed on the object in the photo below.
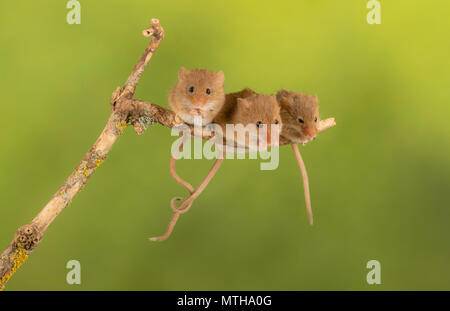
pixel 380 180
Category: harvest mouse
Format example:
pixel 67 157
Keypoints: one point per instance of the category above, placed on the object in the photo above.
pixel 300 114
pixel 199 93
pixel 249 108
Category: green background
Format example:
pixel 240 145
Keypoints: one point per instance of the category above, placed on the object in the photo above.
pixel 380 180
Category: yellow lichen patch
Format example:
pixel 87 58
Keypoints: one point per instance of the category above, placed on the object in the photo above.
pixel 81 169
pixel 17 259
pixel 121 126
pixel 99 162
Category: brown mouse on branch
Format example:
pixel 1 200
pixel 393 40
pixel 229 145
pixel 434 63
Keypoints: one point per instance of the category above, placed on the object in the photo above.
pixel 197 93
pixel 300 114
pixel 248 108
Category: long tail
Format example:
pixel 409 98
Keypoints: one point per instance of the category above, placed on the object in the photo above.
pixel 187 203
pixel 172 224
pixel 305 181
pixel 174 174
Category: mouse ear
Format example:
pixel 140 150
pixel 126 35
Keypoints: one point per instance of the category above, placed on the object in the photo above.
pixel 283 98
pixel 221 76
pixel 243 103
pixel 182 74
pixel 282 95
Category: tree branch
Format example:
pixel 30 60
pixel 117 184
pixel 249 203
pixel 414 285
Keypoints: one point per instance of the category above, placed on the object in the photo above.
pixel 126 110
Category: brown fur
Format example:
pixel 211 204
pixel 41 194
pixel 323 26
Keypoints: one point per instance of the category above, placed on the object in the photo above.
pixel 188 104
pixel 263 108
pixel 247 107
pixel 250 109
pixel 295 106
pixel 229 108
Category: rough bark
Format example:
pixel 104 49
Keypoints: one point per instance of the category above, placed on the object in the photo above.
pixel 125 111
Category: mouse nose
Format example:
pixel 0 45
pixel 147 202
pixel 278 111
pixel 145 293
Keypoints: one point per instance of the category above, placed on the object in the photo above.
pixel 310 133
pixel 198 101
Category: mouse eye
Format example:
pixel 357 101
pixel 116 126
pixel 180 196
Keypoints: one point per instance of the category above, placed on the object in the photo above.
pixel 191 89
pixel 208 91
pixel 259 124
pixel 315 119
pixel 301 120
pixel 276 122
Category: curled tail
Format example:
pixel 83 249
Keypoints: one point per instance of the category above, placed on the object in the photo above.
pixel 187 203
pixel 173 171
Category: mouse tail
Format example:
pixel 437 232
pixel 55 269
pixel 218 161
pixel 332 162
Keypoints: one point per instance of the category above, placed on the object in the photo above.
pixel 172 224
pixel 187 203
pixel 302 166
pixel 175 209
pixel 173 171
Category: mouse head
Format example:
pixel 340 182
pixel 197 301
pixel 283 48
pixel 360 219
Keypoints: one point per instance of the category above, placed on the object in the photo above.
pixel 300 114
pixel 203 88
pixel 259 110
